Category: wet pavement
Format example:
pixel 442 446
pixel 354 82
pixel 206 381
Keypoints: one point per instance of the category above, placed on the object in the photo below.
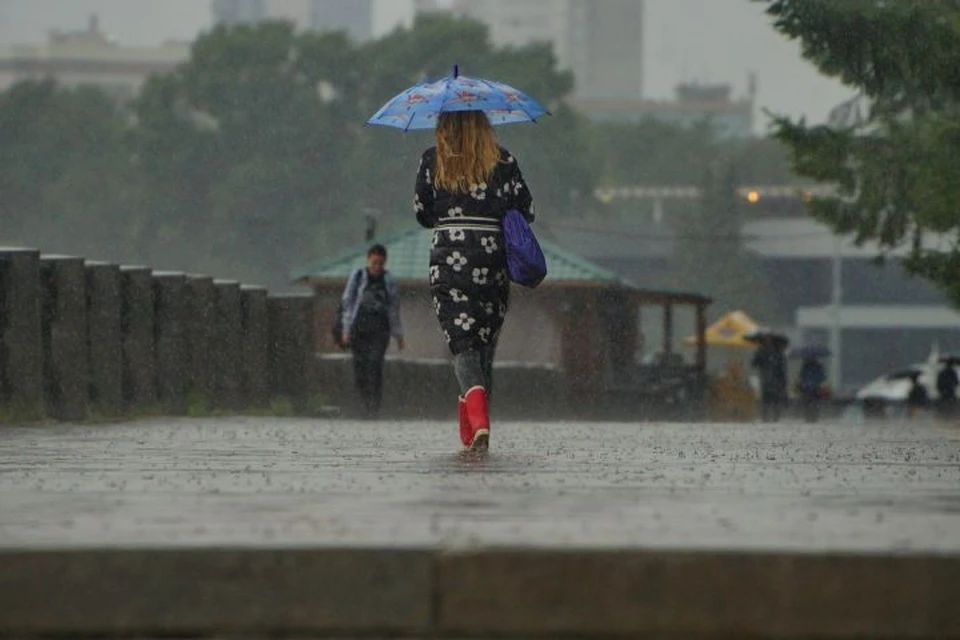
pixel 265 482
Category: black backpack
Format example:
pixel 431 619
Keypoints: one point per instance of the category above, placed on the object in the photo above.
pixel 336 331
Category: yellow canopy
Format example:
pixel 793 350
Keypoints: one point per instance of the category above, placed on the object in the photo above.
pixel 728 331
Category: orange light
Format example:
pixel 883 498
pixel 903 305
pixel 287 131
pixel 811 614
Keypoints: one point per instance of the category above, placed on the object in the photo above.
pixel 753 197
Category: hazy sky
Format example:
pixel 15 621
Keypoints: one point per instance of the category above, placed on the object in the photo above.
pixel 705 40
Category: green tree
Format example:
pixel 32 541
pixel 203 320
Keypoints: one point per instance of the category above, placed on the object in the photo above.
pixel 553 153
pixel 895 167
pixel 255 154
pixel 244 147
pixel 66 176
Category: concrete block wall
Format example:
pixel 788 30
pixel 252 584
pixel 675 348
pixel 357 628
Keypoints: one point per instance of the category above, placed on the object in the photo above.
pixel 476 593
pixel 82 339
pixel 21 343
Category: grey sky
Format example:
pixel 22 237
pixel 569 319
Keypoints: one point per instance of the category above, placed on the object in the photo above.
pixel 705 40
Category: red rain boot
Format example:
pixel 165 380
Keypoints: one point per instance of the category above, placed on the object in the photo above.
pixel 466 434
pixel 479 419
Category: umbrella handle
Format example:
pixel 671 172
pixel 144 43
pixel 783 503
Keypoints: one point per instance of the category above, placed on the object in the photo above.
pixel 456 71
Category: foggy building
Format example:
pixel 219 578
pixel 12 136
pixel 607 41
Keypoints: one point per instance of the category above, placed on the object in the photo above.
pixel 420 6
pixel 884 317
pixel 600 42
pixel 730 117
pixel 238 11
pixel 89 57
pixel 353 16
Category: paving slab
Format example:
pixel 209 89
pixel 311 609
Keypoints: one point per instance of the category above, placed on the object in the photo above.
pixel 267 482
pixel 565 530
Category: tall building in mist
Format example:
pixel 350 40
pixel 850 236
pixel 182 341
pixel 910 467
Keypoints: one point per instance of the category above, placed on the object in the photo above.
pixel 353 16
pixel 601 42
pixel 238 11
pixel 89 57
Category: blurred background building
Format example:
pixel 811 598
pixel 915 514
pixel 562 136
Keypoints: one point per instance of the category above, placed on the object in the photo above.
pixel 600 42
pixel 89 57
pixel 353 16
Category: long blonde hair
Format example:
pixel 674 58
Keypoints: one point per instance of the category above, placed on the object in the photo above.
pixel 467 150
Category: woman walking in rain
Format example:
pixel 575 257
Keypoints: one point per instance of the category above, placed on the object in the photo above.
pixel 464 186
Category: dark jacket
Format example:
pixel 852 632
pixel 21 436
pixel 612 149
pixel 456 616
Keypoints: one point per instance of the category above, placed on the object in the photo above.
pixel 468 267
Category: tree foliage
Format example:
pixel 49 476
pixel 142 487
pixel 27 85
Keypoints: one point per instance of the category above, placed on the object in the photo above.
pixel 895 166
pixel 64 163
pixel 251 157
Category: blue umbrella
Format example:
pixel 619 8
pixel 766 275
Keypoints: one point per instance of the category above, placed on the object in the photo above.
pixel 419 106
pixel 814 351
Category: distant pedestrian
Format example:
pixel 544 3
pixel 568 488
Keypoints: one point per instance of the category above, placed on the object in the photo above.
pixel 371 315
pixel 918 398
pixel 771 365
pixel 810 386
pixel 947 382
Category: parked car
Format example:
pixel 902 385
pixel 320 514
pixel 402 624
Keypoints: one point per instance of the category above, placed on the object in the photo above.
pixel 889 392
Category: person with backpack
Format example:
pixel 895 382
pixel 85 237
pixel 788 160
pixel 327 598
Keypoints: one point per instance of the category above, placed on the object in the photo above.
pixel 370 315
pixel 465 187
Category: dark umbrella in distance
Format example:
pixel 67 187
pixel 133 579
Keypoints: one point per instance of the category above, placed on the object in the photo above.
pixel 952 359
pixel 809 352
pixel 762 335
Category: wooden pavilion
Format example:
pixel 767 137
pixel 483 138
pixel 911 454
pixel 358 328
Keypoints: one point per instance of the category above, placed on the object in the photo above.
pixel 582 320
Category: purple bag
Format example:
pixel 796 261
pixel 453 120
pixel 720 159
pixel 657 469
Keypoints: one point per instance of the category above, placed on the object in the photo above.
pixel 525 260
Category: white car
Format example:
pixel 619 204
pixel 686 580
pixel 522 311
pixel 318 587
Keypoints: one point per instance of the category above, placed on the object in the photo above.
pixel 895 386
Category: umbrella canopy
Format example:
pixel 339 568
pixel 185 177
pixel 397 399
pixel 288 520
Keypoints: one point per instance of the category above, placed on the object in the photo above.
pixel 810 351
pixel 762 334
pixel 419 106
pixel 728 331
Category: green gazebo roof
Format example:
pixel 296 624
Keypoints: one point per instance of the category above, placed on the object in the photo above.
pixel 409 259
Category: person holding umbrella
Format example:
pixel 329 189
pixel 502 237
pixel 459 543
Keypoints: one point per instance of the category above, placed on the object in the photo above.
pixel 771 365
pixel 811 379
pixel 465 185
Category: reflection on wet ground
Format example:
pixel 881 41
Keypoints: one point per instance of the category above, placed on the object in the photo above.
pixel 313 482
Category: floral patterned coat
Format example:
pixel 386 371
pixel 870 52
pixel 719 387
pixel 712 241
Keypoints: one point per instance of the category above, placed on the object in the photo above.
pixel 468 266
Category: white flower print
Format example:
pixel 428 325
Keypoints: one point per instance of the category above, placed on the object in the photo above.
pixel 434 274
pixel 455 212
pixel 485 333
pixel 457 261
pixel 488 308
pixel 436 239
pixel 457 235
pixel 479 191
pixel 480 275
pixel 458 296
pixel 489 243
pixel 517 187
pixel 417 205
pixel 503 310
pixel 426 176
pixel 436 304
pixel 501 277
pixel 464 321
pixel 510 159
pixel 446 335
